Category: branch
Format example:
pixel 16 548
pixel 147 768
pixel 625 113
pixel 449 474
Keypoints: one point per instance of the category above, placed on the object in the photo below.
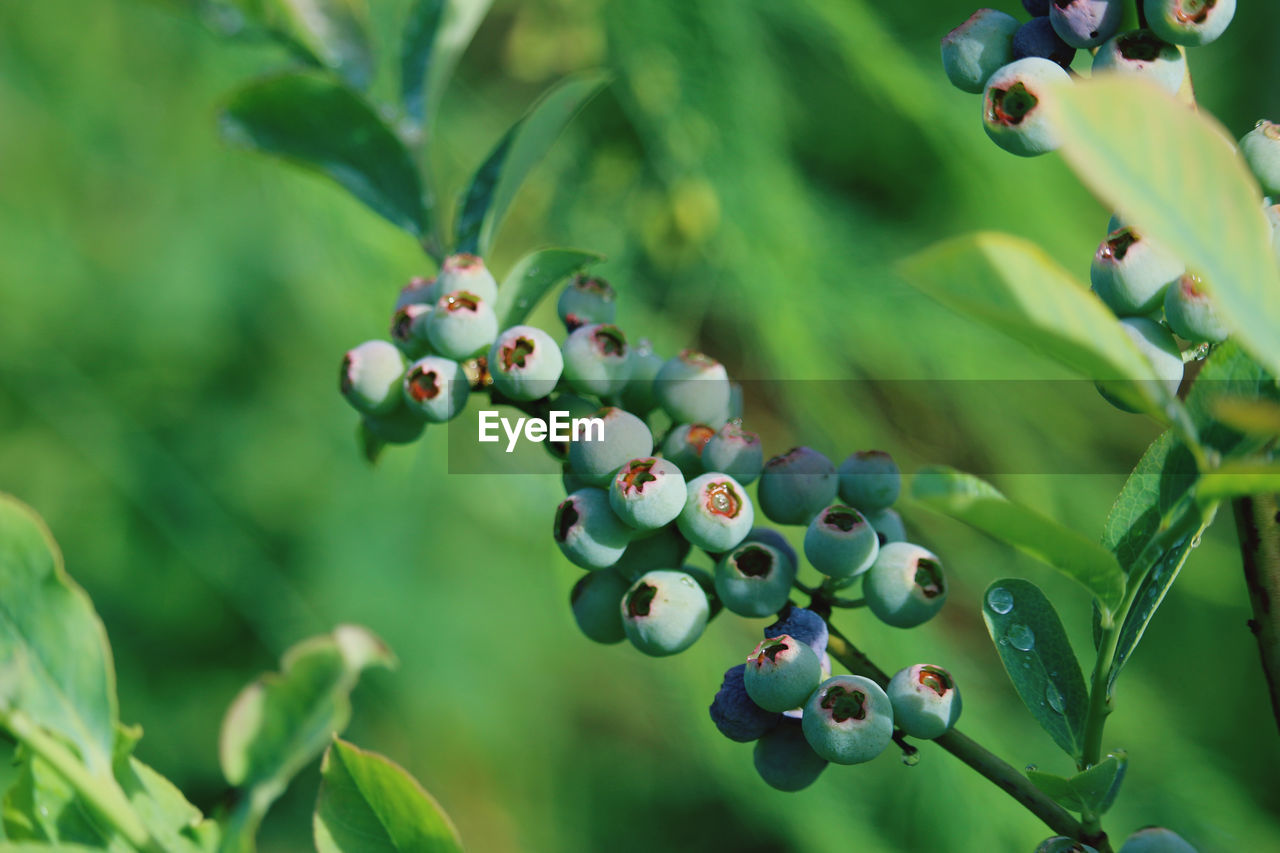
pixel 1258 526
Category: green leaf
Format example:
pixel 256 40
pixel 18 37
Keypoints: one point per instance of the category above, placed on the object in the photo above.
pixel 532 276
pixel 281 722
pixel 1239 479
pixel 1014 287
pixel 435 35
pixel 43 807
pixel 1174 173
pixel 1093 790
pixel 496 182
pixel 38 847
pixel 172 821
pixel 978 504
pixel 55 661
pixel 1229 373
pixel 335 32
pixel 369 804
pixel 1037 655
pixel 1161 479
pixel 316 122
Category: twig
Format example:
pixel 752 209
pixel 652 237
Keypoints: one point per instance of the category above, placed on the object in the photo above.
pixel 1258 527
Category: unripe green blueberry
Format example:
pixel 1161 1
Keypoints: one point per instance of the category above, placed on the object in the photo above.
pixel 571 481
pixel 1086 23
pixel 575 406
pixel 1156 839
pixel 467 273
pixel 1189 22
pixel 1144 53
pixel 596 360
pixel 1130 274
pixel 436 388
pixel 888 526
pixel 693 388
pixel 596 601
pixel 525 363
pixel 409 329
pixel 869 480
pixel 784 759
pixel 925 699
pixel 588 532
pixel 648 493
pixel 796 485
pixel 684 445
pixel 664 612
pixel 707 582
pixel 906 585
pixel 1063 844
pixel 638 395
pixel 840 543
pixel 736 401
pixel 754 580
pixel 1157 345
pixel 735 451
pixel 848 720
pixel 1192 314
pixel 1261 150
pixel 370 377
pixel 717 513
pixel 401 426
pixel 419 291
pixel 976 49
pixel 461 325
pixel 624 437
pixel 774 539
pixel 1273 216
pixel 781 673
pixel 1011 102
pixel 660 549
pixel 586 300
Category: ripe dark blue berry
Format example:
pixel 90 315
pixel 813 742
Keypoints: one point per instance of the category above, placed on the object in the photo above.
pixel 869 480
pixel 1036 8
pixel 735 714
pixel 1037 37
pixel 784 759
pixel 805 625
pixel 1086 23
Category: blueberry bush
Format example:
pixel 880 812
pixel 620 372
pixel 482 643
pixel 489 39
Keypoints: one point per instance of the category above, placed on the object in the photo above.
pixel 1180 326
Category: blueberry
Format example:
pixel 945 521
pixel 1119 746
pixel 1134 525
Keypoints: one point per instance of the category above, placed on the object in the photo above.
pixel 1158 346
pixel 525 363
pixel 1037 37
pixel 1036 8
pixel 840 543
pixel 888 526
pixel 693 388
pixel 648 493
pixel 1261 150
pixel 571 481
pixel 661 549
pixel 467 273
pixel 1063 844
pixel 925 699
pixel 735 451
pixel 409 329
pixel 588 532
pixel 777 541
pixel 754 580
pixel 638 394
pixel 597 457
pixel 1156 839
pixel 707 582
pixel 1273 216
pixel 784 759
pixel 1192 314
pixel 848 720
pixel 419 291
pixel 804 625
pixel 869 480
pixel 1143 52
pixel 735 715
pixel 1086 23
pixel 796 485
pixel 1189 22
pixel 574 406
pixel 781 673
pixel 973 51
pixel 436 388
pixel 684 444
pixel 1130 274
pixel 1011 111
pixel 664 612
pixel 717 513
pixel 596 360
pixel 1115 223
pixel 586 300
pixel 461 325
pixel 905 586
pixel 370 377
pixel 401 426
pixel 596 601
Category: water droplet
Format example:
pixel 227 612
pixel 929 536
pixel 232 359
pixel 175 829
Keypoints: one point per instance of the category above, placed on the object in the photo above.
pixel 1000 600
pixel 1054 695
pixel 911 759
pixel 1031 768
pixel 1195 543
pixel 1021 637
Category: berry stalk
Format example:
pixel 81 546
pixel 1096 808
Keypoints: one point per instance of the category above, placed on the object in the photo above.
pixel 1258 526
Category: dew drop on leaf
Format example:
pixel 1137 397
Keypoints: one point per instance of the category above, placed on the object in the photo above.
pixel 1054 696
pixel 911 759
pixel 1021 637
pixel 1000 600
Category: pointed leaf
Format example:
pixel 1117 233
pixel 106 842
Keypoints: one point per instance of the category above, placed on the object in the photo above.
pixel 336 32
pixel 1092 790
pixel 496 182
pixel 532 276
pixel 1161 479
pixel 978 504
pixel 312 120
pixel 436 34
pixel 1037 655
pixel 1174 173
pixel 369 804
pixel 1016 288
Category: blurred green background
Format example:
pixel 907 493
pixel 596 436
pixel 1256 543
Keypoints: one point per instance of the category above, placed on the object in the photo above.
pixel 172 313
